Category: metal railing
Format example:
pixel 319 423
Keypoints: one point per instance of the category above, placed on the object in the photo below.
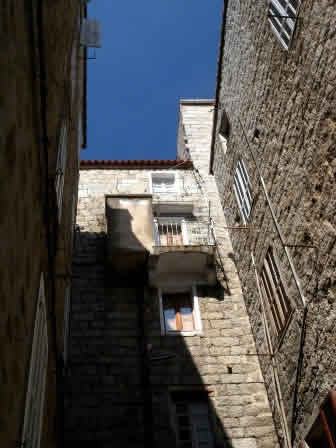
pixel 182 232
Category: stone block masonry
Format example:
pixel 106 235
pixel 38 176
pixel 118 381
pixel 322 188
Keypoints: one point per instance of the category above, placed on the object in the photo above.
pixel 281 109
pixel 107 394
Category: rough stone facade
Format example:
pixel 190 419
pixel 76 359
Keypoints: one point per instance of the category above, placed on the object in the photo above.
pixel 281 111
pixel 33 242
pixel 115 392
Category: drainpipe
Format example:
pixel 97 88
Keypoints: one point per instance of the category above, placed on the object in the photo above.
pixel 144 360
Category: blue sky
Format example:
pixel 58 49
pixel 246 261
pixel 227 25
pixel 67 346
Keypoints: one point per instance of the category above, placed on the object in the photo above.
pixel 153 53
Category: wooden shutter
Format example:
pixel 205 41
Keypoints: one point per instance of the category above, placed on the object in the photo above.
pixel 276 300
pixel 184 314
pixel 32 425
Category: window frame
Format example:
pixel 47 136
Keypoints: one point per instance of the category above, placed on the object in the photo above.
pixel 37 377
pixel 324 420
pixel 275 7
pixel 278 305
pixel 175 185
pixel 243 190
pixel 172 219
pixel 196 398
pixel 196 313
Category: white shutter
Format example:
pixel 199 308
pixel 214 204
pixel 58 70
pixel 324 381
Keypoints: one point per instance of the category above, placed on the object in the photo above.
pixel 201 431
pixel 33 416
pixel 61 165
pixel 242 189
pixel 282 17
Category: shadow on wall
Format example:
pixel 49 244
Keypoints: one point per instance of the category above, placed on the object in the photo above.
pixel 127 384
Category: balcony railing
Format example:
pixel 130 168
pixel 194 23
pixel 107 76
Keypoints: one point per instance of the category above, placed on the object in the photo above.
pixel 182 232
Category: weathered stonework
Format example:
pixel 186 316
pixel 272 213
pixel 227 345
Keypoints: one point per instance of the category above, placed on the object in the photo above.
pixel 25 179
pixel 281 109
pixel 114 393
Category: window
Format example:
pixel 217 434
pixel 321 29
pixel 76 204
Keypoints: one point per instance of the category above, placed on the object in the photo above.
pixel 170 232
pixel 164 183
pixel 224 128
pixel 61 165
pixel 276 301
pixel 33 416
pixel 191 420
pixel 282 16
pixel 242 188
pixel 179 313
pixel 323 431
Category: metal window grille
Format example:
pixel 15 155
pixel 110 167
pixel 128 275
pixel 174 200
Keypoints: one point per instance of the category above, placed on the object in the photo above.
pixel 90 33
pixel 61 165
pixel 282 16
pixel 276 300
pixel 182 232
pixel 242 188
pixel 33 416
pixel 168 233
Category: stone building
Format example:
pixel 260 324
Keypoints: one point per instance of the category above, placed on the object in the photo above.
pixel 43 128
pixel 161 350
pixel 273 156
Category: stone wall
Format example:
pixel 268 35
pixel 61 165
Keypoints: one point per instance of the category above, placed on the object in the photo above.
pixel 281 109
pixel 24 202
pixel 107 390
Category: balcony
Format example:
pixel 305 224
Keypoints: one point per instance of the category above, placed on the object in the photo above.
pixel 183 252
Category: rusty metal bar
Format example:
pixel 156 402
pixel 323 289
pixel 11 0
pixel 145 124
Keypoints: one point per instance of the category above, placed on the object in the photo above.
pixel 327 429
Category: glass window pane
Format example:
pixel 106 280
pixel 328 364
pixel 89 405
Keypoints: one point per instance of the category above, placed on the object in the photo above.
pixel 170 319
pixel 187 318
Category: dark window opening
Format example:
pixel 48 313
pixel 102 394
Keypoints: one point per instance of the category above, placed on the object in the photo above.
pixel 224 129
pixel 323 431
pixel 191 420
